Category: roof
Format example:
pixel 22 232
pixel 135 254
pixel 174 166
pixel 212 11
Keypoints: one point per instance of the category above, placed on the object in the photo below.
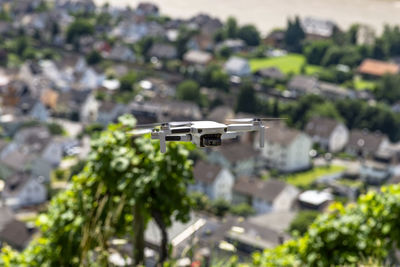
pixel 319 27
pixel 276 220
pixel 377 68
pixel 197 57
pixel 235 152
pixel 271 72
pixel 362 139
pixel 315 198
pixel 6 216
pixel 322 127
pixel 331 89
pixel 17 159
pixel 266 190
pixel 206 172
pixel 236 63
pixel 16 234
pixel 221 114
pixel 15 183
pixel 163 51
pixel 302 83
pixel 257 236
pixel 280 134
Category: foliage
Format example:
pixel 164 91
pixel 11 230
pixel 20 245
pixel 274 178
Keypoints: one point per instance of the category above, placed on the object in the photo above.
pixel 347 55
pixel 306 178
pixel 315 51
pixel 121 175
pixel 127 81
pixel 214 77
pixel 294 35
pixel 188 90
pixel 335 75
pixel 246 101
pixel 242 209
pixel 345 235
pixel 249 34
pixel 55 128
pixel 220 207
pixel 290 63
pixel 231 28
pixel 389 88
pixel 200 201
pixel 302 220
pixel 93 58
pixel 80 27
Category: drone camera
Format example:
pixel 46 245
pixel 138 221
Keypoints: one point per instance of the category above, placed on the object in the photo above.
pixel 210 140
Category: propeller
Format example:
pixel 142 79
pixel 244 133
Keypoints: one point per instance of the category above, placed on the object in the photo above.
pixel 255 119
pixel 173 124
pixel 139 132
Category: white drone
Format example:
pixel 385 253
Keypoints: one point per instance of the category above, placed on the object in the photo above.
pixel 202 133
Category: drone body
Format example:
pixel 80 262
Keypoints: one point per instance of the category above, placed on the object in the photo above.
pixel 203 133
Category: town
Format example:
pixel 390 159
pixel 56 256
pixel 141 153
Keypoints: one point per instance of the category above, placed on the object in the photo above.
pixel 69 68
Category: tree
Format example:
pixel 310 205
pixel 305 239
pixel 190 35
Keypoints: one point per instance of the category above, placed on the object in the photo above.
pixel 294 35
pixel 389 88
pixel 80 27
pixel 127 81
pixel 124 184
pixel 346 235
pixel 188 90
pixel 55 128
pixel 247 101
pixel 249 34
pixel 220 207
pixel 379 49
pixel 243 209
pixel 214 77
pixel 231 28
pixel 316 50
pixel 302 220
pixel 93 58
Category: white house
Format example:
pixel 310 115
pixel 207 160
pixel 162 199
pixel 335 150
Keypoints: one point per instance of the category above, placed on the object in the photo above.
pixel 240 158
pixel 24 189
pixel 39 112
pixel 265 196
pixel 285 149
pixel 313 199
pixel 330 134
pixel 213 180
pixel 364 143
pixel 89 109
pixel 375 172
pixel 237 66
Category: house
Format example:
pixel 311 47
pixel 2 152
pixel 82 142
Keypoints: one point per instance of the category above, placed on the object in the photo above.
pixel 285 149
pixel 16 234
pixel 265 196
pixel 333 91
pixel 178 110
pixel 270 73
pixel 122 53
pixel 197 58
pixel 276 220
pixel 201 42
pixel 213 180
pixel 301 85
pixel 88 109
pixel 39 112
pixel 221 114
pixel 363 143
pixel 163 51
pixel 239 158
pixel 376 68
pixel 329 134
pixel 108 112
pixel 250 237
pixel 275 39
pixel 6 216
pixel 237 66
pixel 313 199
pixel 24 189
pixel 234 45
pixel 315 28
pixel 375 172
pixel 147 9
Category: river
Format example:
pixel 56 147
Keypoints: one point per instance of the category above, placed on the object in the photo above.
pixel 270 14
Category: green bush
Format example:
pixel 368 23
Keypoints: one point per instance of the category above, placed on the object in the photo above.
pixel 303 220
pixel 242 209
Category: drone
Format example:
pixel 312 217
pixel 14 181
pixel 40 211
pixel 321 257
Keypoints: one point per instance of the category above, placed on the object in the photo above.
pixel 202 133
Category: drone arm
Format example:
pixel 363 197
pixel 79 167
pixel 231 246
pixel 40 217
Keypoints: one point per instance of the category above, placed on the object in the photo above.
pixel 242 127
pixel 261 131
pixel 163 145
pixel 230 135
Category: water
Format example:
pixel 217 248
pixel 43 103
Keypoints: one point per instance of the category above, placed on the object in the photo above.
pixel 270 14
